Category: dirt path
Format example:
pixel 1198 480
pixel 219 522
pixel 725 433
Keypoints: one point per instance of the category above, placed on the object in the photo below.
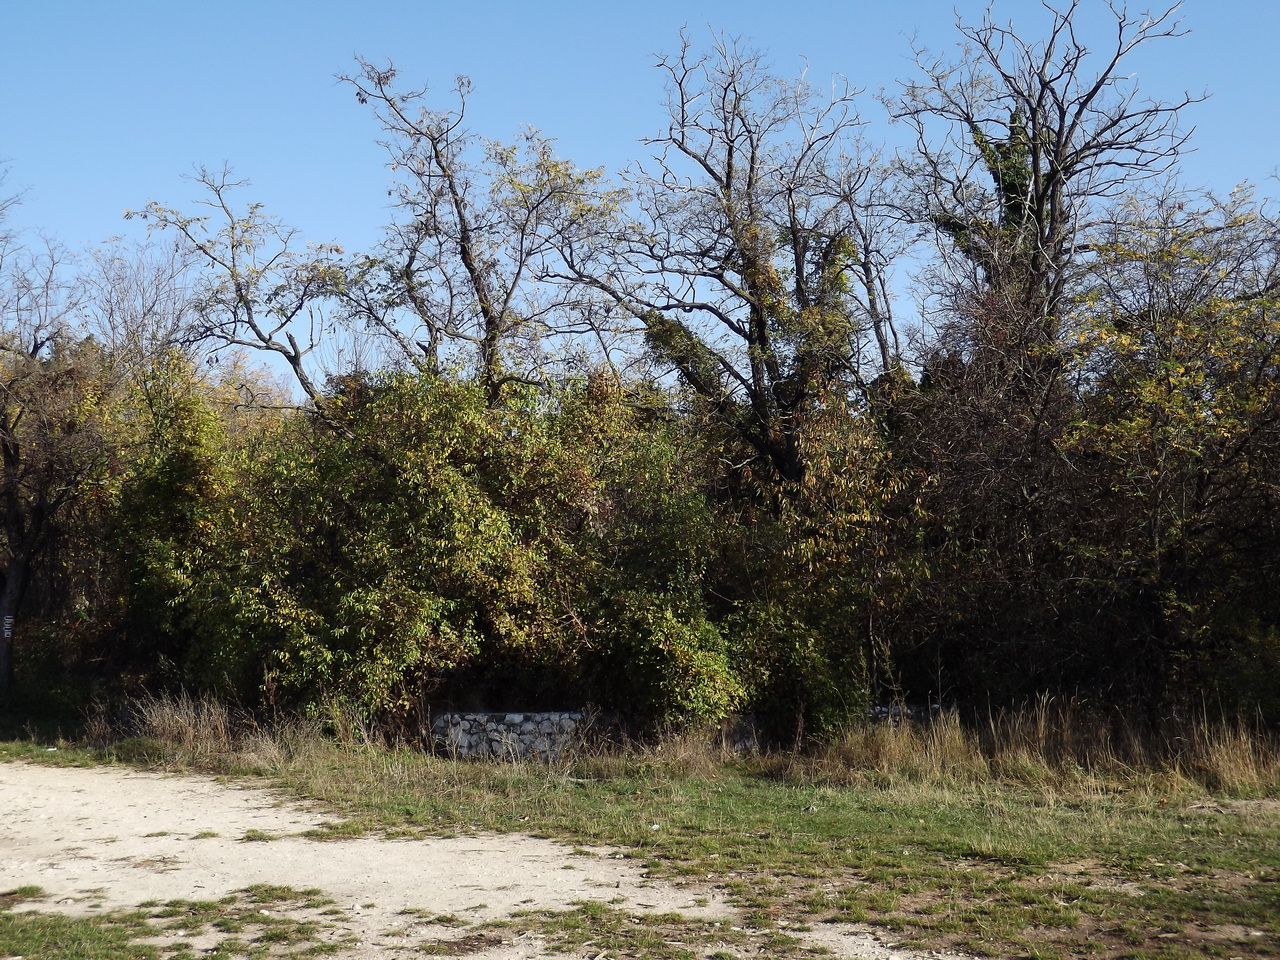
pixel 105 838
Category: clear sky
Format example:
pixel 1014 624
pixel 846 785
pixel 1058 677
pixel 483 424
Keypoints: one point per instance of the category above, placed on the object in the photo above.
pixel 106 105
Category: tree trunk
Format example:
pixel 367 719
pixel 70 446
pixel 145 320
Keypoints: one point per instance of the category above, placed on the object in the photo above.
pixel 15 582
pixel 6 671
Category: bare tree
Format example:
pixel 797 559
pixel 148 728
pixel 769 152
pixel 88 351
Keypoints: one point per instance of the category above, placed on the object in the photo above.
pixel 466 264
pixel 1021 147
pixel 1027 150
pixel 757 248
pixel 258 287
pixel 7 202
pixel 139 301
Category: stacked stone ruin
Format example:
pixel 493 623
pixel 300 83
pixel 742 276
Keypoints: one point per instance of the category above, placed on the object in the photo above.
pixel 506 735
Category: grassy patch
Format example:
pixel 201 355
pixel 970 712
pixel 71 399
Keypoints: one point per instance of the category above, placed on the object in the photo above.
pixel 462 946
pixel 1141 867
pixel 437 919
pixel 1023 846
pixel 239 926
pixel 593 929
pixel 21 895
pixel 53 937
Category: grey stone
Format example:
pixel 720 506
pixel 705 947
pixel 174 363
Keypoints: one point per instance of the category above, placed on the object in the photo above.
pixel 506 735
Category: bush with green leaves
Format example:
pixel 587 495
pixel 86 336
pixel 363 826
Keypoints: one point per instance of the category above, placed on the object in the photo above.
pixel 420 543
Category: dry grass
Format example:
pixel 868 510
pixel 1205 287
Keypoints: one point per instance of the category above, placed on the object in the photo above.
pixel 907 752
pixel 1025 835
pixel 185 732
pixel 1054 745
pixel 1051 745
pixel 194 727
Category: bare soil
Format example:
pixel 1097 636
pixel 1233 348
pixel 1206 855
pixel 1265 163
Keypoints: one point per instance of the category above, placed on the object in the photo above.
pixel 97 839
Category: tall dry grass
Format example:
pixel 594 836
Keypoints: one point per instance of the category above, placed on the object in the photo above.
pixel 186 732
pixel 1052 743
pixel 1060 745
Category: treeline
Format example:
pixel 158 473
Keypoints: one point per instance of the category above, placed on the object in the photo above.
pixel 662 444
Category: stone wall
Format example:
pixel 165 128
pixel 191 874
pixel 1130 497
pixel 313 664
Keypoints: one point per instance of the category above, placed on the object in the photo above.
pixel 506 735
pixel 510 736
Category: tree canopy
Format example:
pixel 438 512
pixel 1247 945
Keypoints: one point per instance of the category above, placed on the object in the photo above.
pixel 670 442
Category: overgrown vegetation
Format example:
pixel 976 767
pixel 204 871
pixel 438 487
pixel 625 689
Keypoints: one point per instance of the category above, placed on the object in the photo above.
pixel 1045 833
pixel 661 444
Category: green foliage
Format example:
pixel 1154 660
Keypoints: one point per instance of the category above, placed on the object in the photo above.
pixel 168 523
pixel 421 543
pixel 673 666
pixel 1001 247
pixel 430 545
pixel 834 585
pixel 64 433
pixel 658 655
pixel 1177 437
pixel 393 554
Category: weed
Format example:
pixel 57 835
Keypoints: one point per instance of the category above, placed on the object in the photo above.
pixel 460 946
pixel 21 894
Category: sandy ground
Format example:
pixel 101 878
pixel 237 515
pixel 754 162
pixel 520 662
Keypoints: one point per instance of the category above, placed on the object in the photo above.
pixel 104 838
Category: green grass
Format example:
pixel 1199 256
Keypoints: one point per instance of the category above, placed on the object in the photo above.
pixel 592 928
pixel 985 855
pixel 996 869
pixel 239 923
pixel 28 933
pixel 53 937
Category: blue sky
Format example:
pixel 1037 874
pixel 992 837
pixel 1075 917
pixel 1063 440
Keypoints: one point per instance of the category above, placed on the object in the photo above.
pixel 106 105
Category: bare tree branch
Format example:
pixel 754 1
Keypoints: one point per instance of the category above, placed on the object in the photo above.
pixel 468 263
pixel 756 247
